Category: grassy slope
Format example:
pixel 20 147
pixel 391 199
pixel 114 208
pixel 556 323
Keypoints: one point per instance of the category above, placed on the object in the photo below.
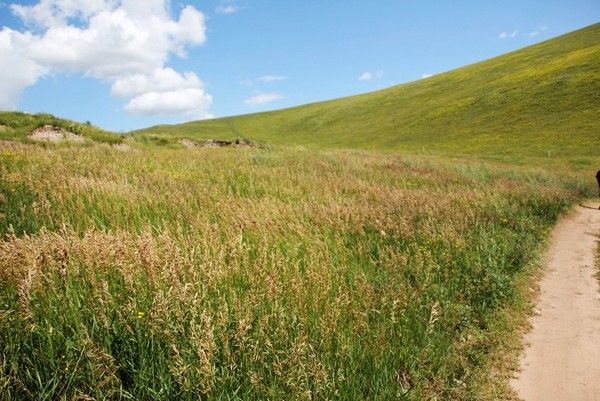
pixel 543 100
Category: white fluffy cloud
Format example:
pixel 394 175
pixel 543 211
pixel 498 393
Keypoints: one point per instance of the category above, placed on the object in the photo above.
pixel 425 75
pixel 263 98
pixel 17 70
pixel 506 35
pixel 124 42
pixel 368 76
pixel 365 76
pixel 159 80
pixel 172 102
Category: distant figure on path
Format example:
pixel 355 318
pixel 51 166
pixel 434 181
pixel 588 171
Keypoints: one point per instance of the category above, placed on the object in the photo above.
pixel 598 178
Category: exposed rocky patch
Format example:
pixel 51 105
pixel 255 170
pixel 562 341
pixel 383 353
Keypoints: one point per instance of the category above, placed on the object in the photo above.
pixel 238 143
pixel 50 133
pixel 217 143
pixel 188 143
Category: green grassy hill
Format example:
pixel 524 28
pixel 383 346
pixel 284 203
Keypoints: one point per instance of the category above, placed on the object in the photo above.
pixel 543 100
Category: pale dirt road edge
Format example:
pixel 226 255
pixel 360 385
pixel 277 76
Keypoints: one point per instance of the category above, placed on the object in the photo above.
pixel 560 361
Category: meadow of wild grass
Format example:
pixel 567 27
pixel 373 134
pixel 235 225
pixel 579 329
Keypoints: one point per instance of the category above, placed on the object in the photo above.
pixel 222 274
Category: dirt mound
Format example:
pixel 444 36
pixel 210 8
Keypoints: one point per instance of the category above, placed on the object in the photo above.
pixel 50 133
pixel 188 143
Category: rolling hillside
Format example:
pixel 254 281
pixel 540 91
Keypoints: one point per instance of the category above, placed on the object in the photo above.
pixel 543 100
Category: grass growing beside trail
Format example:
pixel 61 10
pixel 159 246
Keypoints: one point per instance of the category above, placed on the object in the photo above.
pixel 221 274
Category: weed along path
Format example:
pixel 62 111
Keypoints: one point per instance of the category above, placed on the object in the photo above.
pixel 562 359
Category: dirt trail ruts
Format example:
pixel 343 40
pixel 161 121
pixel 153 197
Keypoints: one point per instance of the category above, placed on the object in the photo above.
pixel 562 358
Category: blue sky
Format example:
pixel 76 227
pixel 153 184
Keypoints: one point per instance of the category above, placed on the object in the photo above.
pixel 248 55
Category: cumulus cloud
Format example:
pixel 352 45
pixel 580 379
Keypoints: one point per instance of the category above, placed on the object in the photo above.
pixel 368 76
pixel 537 31
pixel 124 42
pixel 365 76
pixel 174 102
pixel 263 98
pixel 17 70
pixel 159 80
pixel 507 35
pixel 425 75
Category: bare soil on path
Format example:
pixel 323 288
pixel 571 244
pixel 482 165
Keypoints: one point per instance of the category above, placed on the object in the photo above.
pixel 562 358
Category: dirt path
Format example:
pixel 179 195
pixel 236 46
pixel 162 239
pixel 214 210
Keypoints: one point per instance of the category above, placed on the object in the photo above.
pixel 562 360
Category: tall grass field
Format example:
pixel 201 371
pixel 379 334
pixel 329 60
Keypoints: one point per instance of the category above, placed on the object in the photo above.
pixel 258 274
